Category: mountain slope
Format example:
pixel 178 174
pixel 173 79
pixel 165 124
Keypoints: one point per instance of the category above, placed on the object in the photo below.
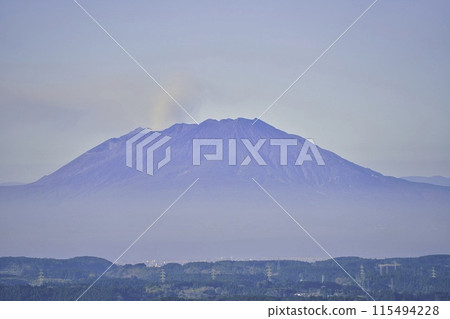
pixel 96 205
pixel 104 165
pixel 434 180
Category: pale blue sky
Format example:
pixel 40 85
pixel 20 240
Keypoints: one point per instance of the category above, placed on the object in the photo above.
pixel 379 97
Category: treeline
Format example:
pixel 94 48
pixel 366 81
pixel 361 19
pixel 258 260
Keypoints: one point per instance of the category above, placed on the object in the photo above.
pixel 423 278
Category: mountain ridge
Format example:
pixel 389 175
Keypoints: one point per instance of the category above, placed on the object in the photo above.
pixel 433 180
pixel 239 128
pixel 95 204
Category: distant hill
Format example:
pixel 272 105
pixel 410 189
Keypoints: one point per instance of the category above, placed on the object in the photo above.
pixel 434 180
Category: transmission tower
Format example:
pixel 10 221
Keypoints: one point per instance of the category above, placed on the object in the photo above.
pixel 213 274
pixel 269 273
pixel 300 277
pixel 395 264
pixel 386 267
pixel 163 275
pixel 433 273
pixel 40 278
pixel 362 273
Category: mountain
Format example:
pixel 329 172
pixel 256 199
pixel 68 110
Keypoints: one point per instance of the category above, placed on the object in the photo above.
pixel 11 184
pixel 434 180
pixel 103 166
pixel 97 205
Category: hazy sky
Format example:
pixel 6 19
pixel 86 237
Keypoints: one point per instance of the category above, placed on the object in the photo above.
pixel 379 97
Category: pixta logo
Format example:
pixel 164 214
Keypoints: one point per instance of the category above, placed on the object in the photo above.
pixel 253 151
pixel 141 147
pixel 144 145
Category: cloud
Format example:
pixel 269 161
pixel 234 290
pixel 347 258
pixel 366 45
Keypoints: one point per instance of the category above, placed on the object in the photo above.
pixel 162 109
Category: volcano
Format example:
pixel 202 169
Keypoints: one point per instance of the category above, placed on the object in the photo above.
pixel 97 205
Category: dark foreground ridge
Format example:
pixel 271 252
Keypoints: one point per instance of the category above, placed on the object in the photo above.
pixel 421 278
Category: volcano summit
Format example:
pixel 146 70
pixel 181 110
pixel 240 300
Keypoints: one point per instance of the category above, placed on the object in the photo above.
pixel 97 205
